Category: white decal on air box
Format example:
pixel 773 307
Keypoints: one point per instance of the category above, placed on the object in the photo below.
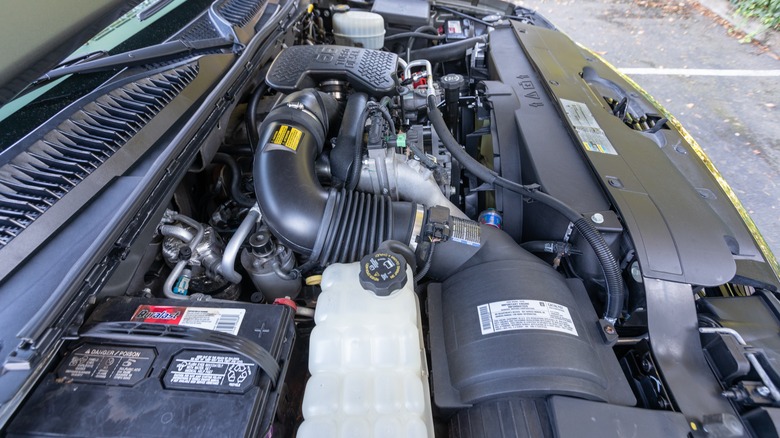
pixel 501 316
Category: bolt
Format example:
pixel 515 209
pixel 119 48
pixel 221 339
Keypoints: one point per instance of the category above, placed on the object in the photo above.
pixel 647 366
pixel 185 253
pixel 597 218
pixel 608 329
pixel 763 391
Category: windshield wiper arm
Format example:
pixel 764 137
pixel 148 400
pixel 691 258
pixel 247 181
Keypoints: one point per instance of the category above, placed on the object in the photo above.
pixel 144 55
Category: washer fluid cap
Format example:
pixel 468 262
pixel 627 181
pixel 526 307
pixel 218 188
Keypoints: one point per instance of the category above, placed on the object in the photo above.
pixel 382 272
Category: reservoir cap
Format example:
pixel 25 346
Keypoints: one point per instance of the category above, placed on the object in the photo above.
pixel 382 272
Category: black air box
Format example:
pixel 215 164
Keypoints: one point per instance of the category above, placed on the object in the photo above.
pixel 146 367
pixel 299 67
pixel 517 329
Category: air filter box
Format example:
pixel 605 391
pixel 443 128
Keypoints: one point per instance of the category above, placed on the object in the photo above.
pixel 516 328
pixel 148 367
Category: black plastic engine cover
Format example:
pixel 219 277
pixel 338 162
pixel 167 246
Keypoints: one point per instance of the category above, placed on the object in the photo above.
pixel 506 329
pixel 299 67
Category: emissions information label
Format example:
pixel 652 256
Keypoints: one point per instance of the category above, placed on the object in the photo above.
pixel 107 364
pixel 210 371
pixel 587 128
pixel 209 318
pixel 525 315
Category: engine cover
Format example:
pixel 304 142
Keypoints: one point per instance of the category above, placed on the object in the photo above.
pixel 299 67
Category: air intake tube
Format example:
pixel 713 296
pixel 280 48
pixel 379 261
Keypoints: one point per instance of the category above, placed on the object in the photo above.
pixel 329 226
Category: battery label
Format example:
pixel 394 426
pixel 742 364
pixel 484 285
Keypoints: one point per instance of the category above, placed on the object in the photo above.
pixel 107 364
pixel 210 371
pixel 209 318
pixel 525 315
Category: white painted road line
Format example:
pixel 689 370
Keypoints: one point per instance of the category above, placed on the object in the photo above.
pixel 699 72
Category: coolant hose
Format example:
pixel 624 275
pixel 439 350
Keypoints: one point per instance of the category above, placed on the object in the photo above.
pixel 235 179
pixel 612 274
pixel 447 52
pixel 327 225
pixel 226 267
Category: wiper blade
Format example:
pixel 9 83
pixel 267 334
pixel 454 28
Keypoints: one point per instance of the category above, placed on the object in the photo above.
pixel 91 56
pixel 156 53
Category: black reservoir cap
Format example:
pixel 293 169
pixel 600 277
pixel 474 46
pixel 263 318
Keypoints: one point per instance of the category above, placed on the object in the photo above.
pixel 382 272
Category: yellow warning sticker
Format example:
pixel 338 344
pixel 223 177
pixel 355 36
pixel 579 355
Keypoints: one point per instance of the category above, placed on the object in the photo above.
pixel 287 136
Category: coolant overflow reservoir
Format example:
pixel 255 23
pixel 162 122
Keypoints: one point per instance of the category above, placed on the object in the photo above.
pixel 369 376
pixel 359 28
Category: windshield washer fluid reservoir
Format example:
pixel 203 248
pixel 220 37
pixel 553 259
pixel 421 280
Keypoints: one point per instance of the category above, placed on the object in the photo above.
pixel 369 376
pixel 360 29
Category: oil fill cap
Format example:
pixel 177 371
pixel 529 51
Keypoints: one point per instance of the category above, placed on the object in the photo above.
pixel 382 272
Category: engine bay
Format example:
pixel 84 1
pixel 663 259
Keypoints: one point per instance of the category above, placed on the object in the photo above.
pixel 428 221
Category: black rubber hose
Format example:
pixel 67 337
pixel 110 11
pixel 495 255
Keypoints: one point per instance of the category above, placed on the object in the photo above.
pixel 415 34
pixel 410 43
pixel 251 114
pixel 235 178
pixel 612 274
pixel 357 157
pixel 447 52
pixel 327 225
pixel 402 249
pixel 461 14
pixel 342 155
pixel 388 118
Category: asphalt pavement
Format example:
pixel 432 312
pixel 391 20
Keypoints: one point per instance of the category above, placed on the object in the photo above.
pixel 728 97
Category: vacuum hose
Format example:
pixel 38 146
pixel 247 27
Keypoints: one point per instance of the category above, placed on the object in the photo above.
pixel 329 226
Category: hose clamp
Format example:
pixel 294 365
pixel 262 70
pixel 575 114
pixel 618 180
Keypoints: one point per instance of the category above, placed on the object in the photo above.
pixel 419 215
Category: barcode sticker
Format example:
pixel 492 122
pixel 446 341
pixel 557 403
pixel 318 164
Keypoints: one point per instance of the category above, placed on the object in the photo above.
pixel 209 318
pixel 525 315
pixel 484 319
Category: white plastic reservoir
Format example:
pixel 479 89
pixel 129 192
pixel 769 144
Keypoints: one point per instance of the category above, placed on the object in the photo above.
pixel 369 375
pixel 359 28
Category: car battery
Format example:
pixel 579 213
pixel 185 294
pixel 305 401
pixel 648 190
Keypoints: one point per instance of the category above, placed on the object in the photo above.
pixel 149 367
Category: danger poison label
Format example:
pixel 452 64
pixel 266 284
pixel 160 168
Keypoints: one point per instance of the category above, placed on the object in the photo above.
pixel 110 365
pixel 525 315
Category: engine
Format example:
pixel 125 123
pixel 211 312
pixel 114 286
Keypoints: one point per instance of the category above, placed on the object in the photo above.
pixel 397 233
pixel 369 208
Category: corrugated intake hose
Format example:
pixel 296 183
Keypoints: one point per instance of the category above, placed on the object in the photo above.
pixel 612 274
pixel 327 225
